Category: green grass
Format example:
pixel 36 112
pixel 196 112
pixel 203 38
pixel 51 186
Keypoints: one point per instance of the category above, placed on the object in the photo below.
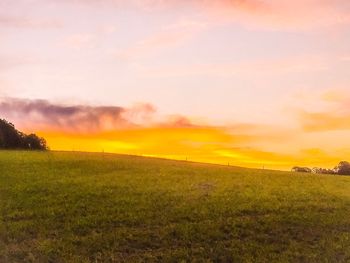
pixel 76 207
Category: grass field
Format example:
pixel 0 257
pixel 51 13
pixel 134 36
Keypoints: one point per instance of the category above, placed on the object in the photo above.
pixel 80 207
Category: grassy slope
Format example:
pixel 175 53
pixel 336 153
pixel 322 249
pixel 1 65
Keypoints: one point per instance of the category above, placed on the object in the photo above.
pixel 59 207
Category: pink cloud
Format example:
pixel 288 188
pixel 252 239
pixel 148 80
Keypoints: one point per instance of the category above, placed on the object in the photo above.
pixel 334 114
pixel 152 44
pixel 9 62
pixel 267 14
pixel 36 23
pixel 170 36
pixel 80 41
pixel 345 58
pixel 178 121
pixel 283 14
pixel 278 66
pixel 324 121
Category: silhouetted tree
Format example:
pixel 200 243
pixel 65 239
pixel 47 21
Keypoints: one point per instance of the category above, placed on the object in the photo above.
pixel 343 168
pixel 33 142
pixel 10 138
pixel 318 170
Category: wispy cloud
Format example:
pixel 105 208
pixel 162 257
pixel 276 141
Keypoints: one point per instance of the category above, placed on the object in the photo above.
pixel 169 36
pixel 324 121
pixel 25 22
pixel 80 41
pixel 11 61
pixel 90 39
pixel 266 14
pixel 345 58
pixel 334 115
pixel 279 66
pixel 281 14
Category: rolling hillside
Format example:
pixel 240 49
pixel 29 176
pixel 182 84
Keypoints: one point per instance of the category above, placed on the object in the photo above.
pixel 82 207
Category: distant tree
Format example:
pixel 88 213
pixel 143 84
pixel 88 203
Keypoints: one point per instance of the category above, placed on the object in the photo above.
pixel 343 168
pixel 318 170
pixel 328 171
pixel 33 142
pixel 10 138
pixel 301 169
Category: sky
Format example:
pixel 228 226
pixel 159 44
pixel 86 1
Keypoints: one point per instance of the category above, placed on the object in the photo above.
pixel 256 83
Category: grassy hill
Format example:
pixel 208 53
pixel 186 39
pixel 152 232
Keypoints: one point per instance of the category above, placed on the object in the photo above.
pixel 80 207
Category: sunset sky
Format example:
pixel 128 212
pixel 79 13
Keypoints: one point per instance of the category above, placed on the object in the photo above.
pixel 257 83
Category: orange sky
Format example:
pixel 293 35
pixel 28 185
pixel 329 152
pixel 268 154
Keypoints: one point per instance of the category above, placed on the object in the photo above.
pixel 258 83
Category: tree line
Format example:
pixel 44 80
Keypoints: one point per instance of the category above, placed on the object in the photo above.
pixel 11 138
pixel 343 168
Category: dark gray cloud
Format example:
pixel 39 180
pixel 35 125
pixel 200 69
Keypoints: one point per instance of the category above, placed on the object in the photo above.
pixel 41 114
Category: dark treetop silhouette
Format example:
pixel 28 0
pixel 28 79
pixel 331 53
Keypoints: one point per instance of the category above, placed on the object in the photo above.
pixel 10 138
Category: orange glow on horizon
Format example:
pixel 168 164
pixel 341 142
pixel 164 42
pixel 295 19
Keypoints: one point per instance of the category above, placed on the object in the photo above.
pixel 209 145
